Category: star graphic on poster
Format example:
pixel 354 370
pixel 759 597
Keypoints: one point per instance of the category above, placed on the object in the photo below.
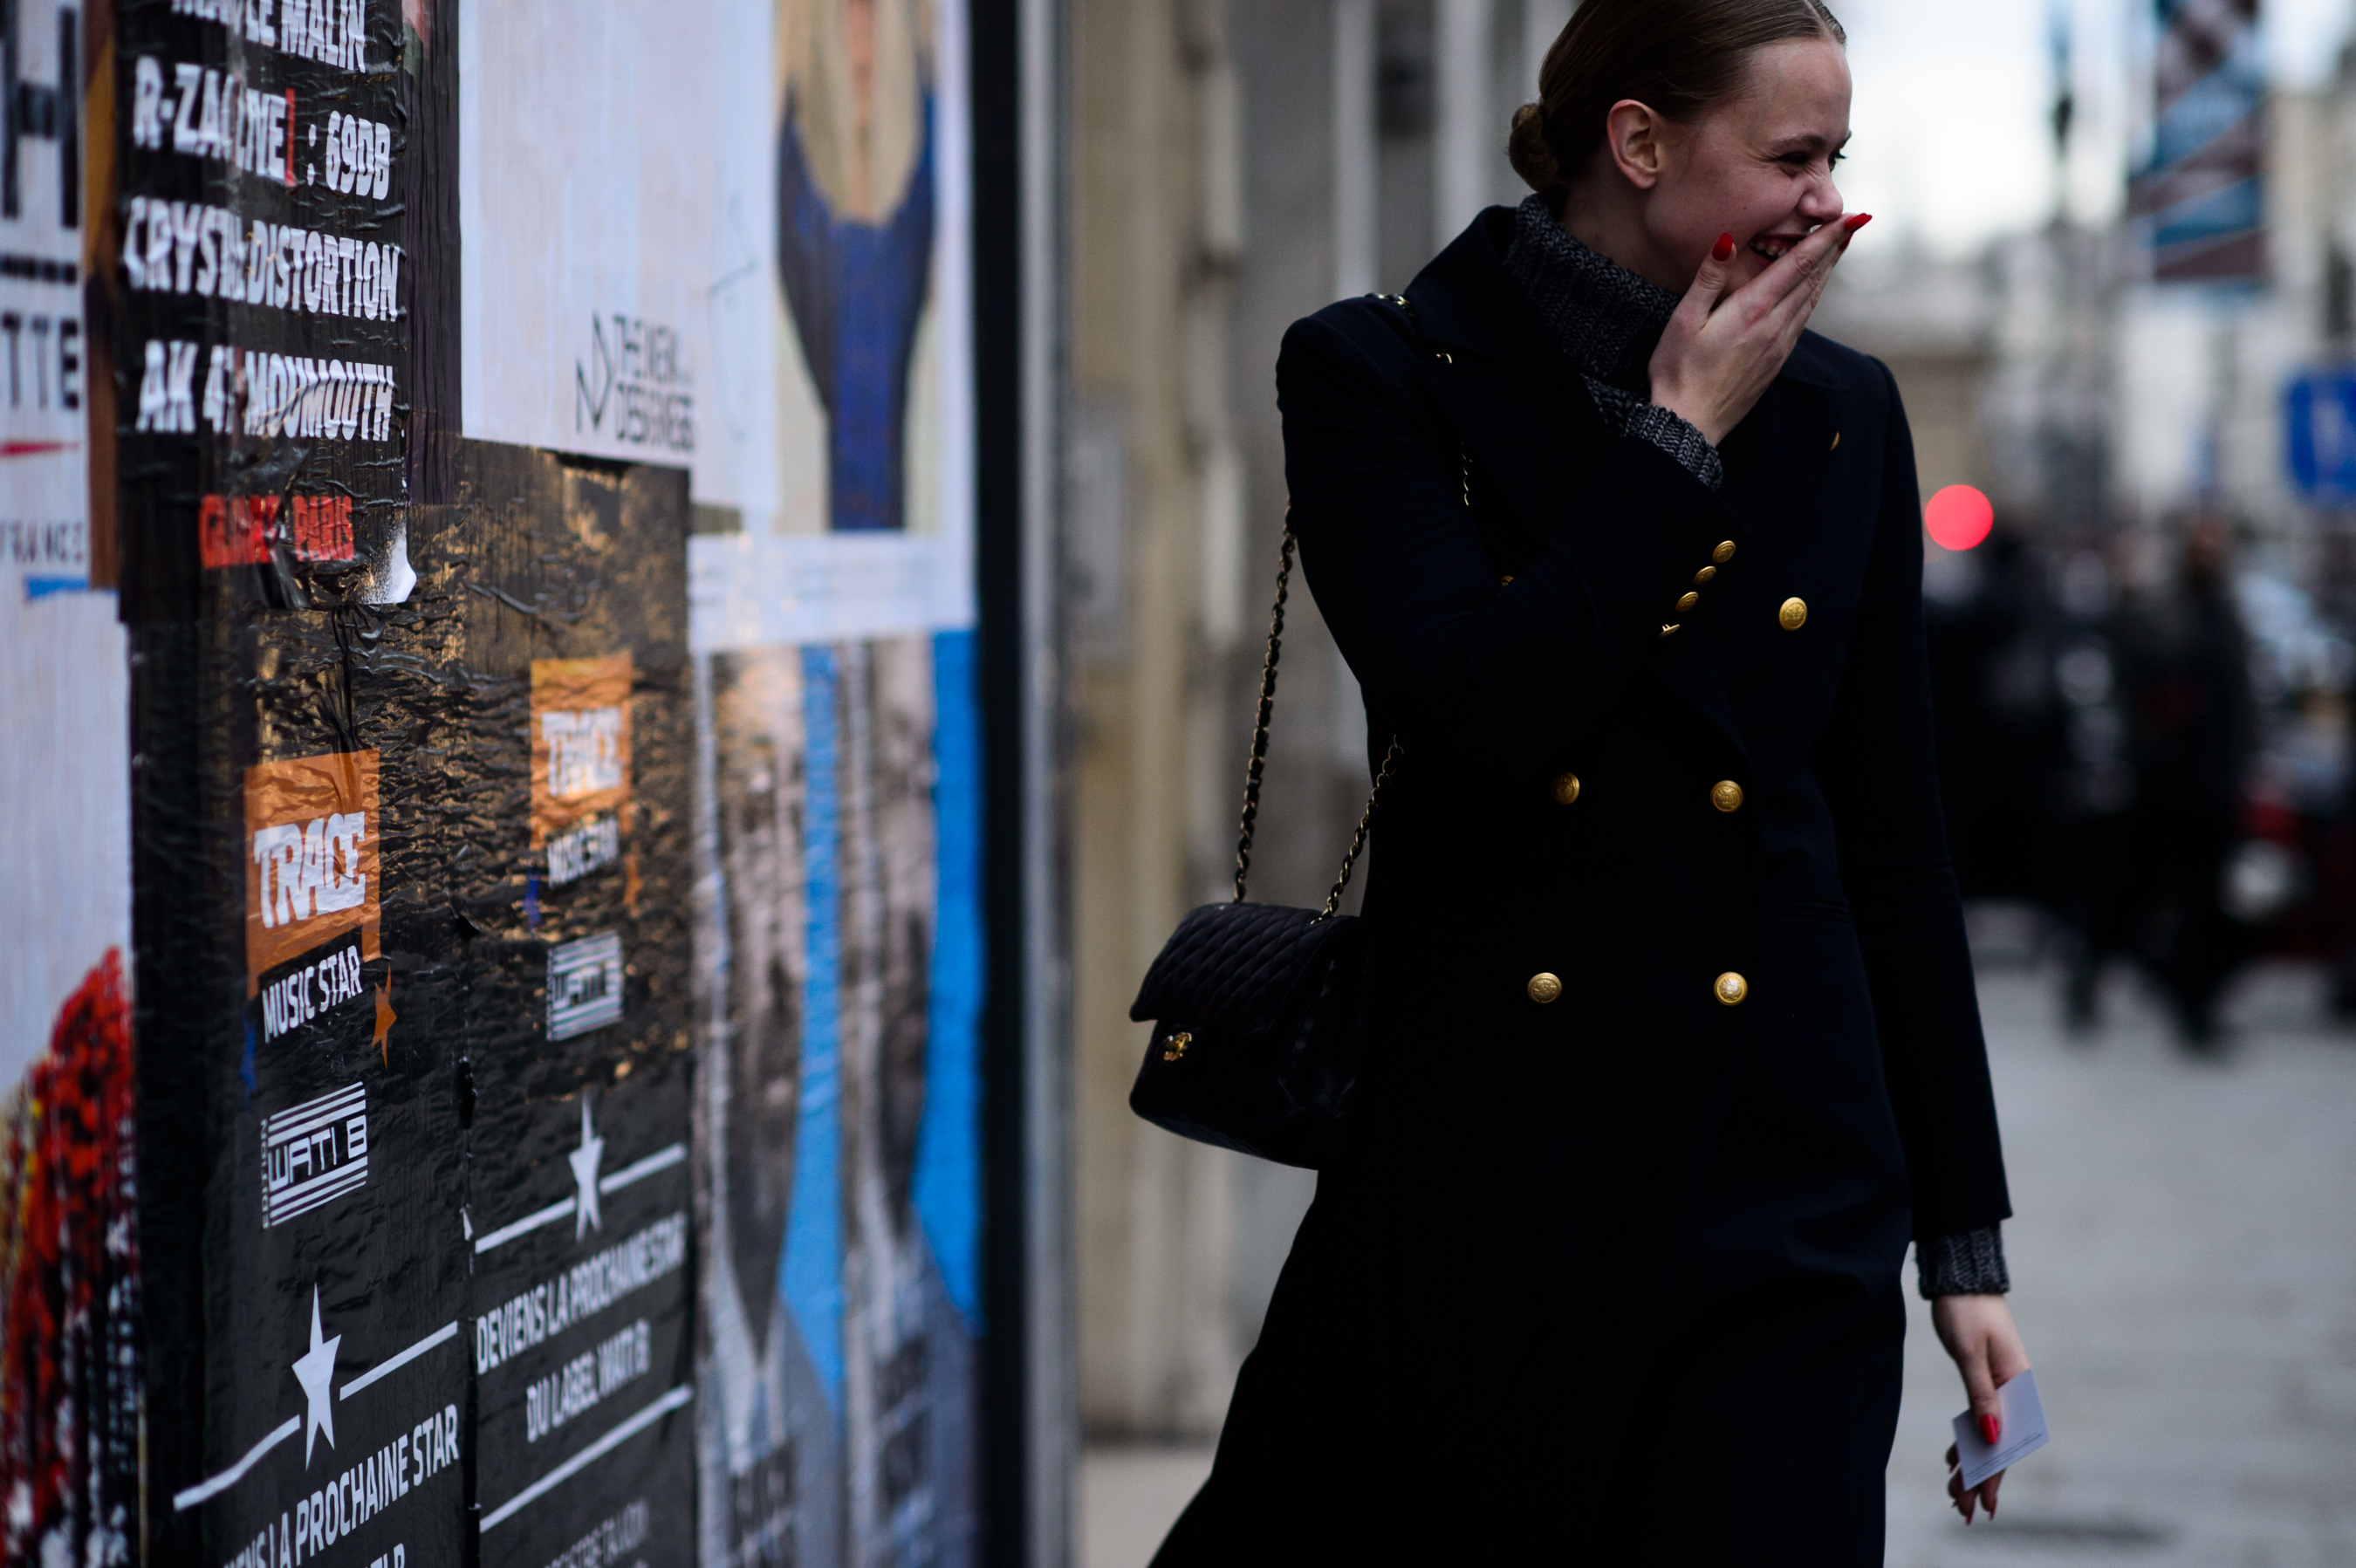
pixel 385 1018
pixel 315 1370
pixel 584 1176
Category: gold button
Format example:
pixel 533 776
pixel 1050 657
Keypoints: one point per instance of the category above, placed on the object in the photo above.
pixel 1505 580
pixel 1836 441
pixel 1565 789
pixel 1730 989
pixel 1794 615
pixel 1702 578
pixel 1726 795
pixel 1687 603
pixel 1173 1049
pixel 1723 554
pixel 1545 988
pixel 1671 630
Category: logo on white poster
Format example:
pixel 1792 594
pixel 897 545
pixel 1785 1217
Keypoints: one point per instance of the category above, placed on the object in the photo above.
pixel 630 386
pixel 44 472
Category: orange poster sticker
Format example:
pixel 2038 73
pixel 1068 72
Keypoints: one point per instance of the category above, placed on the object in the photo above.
pixel 580 762
pixel 310 860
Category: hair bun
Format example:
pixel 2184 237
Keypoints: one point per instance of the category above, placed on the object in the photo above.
pixel 1526 147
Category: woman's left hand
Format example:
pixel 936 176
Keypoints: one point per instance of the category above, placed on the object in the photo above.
pixel 1978 1333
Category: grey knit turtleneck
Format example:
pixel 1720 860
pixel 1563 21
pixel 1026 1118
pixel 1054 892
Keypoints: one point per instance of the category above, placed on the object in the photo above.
pixel 1606 321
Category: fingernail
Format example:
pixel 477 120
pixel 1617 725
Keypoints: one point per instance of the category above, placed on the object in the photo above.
pixel 1860 221
pixel 1989 1429
pixel 1723 250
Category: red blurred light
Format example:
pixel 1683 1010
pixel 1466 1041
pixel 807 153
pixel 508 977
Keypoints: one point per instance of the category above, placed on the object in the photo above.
pixel 1958 517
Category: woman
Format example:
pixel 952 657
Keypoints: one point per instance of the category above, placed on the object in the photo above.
pixel 1676 1043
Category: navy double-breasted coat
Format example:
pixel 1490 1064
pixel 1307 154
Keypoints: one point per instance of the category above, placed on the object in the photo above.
pixel 1493 1273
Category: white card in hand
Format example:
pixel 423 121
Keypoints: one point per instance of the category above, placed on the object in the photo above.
pixel 2020 1431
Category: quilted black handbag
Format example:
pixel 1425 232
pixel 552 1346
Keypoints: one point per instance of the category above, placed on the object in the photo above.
pixel 1256 1007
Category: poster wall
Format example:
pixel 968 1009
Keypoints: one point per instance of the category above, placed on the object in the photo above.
pixel 766 270
pixel 546 904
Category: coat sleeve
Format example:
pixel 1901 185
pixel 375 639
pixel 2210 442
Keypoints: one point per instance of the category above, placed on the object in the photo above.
pixel 1875 764
pixel 1507 679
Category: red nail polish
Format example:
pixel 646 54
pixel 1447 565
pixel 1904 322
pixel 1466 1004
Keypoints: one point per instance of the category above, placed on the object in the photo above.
pixel 1989 1429
pixel 1860 221
pixel 1724 249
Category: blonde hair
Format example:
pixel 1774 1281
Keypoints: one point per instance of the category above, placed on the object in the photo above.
pixel 862 167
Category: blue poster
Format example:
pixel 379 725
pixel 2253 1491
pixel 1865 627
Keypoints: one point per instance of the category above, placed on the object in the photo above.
pixel 839 940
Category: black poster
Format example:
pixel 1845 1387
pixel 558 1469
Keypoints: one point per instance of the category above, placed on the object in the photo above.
pixel 577 901
pixel 300 981
pixel 261 334
pixel 415 984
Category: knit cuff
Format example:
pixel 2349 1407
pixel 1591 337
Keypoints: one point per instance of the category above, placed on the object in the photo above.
pixel 1680 439
pixel 1963 1263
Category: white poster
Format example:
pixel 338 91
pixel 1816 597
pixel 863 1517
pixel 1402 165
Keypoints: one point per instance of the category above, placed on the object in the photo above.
pixel 761 274
pixel 65 772
pixel 69 1364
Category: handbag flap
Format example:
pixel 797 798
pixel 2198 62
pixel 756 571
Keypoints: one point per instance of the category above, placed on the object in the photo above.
pixel 1234 966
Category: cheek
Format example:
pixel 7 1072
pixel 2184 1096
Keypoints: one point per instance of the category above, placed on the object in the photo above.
pixel 1691 221
pixel 1762 203
pixel 1762 209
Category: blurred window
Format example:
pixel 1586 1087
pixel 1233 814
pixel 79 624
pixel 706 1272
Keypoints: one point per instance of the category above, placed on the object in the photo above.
pixel 2339 296
pixel 1096 533
pixel 1403 103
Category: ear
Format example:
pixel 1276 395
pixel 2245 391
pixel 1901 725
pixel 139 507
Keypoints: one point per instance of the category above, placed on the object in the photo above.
pixel 1633 137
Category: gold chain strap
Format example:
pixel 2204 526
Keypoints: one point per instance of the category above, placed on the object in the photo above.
pixel 1257 766
pixel 1358 839
pixel 1259 763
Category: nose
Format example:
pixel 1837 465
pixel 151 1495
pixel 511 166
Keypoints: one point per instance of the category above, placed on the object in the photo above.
pixel 1821 202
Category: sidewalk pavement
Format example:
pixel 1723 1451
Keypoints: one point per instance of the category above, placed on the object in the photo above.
pixel 2184 1270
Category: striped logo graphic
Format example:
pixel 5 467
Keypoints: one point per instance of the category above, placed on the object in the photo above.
pixel 584 985
pixel 314 1154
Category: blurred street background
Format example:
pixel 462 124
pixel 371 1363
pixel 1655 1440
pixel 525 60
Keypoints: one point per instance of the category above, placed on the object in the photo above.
pixel 2114 270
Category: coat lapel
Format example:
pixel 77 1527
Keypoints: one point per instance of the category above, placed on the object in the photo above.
pixel 1528 421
